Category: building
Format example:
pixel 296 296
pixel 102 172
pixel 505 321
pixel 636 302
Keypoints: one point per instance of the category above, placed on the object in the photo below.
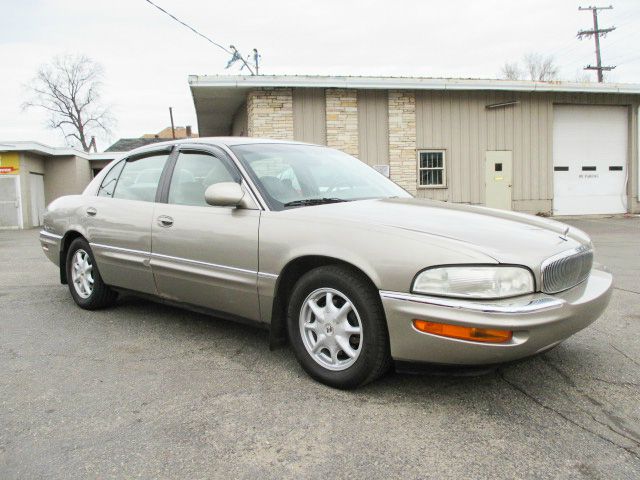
pixel 127 144
pixel 33 174
pixel 536 147
pixel 167 134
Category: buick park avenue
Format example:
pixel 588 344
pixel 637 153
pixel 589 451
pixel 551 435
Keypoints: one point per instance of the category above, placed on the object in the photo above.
pixel 327 253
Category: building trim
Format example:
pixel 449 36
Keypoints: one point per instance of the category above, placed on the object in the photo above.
pixel 405 83
pixel 42 149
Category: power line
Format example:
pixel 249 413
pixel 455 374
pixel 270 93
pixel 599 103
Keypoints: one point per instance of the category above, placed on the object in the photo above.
pixel 189 27
pixel 235 54
pixel 596 33
pixel 630 59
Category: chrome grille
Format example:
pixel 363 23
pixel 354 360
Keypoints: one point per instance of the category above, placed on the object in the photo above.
pixel 566 269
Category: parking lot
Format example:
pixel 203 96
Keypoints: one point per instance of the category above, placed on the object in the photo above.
pixel 146 390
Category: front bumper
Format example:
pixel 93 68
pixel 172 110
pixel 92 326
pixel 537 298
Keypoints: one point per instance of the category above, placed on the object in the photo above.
pixel 538 322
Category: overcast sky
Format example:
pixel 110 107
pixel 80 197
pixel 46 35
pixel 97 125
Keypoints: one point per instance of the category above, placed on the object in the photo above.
pixel 147 56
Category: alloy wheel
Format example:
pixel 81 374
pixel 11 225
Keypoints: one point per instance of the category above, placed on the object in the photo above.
pixel 82 273
pixel 331 329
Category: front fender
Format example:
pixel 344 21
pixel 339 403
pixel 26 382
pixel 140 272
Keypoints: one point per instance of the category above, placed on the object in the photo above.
pixel 390 257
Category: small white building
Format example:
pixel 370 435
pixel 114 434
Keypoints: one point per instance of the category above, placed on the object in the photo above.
pixel 33 174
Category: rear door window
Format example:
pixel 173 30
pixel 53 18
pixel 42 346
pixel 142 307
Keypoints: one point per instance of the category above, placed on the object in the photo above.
pixel 140 177
pixel 109 181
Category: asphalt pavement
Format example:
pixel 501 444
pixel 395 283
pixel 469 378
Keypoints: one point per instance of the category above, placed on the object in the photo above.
pixel 146 390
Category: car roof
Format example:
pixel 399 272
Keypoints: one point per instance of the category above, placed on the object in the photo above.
pixel 216 141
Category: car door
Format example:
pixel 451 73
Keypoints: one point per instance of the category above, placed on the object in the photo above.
pixel 118 221
pixel 201 254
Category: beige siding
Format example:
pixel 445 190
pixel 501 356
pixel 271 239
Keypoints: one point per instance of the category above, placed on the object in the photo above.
pixel 68 175
pixel 373 126
pixel 84 174
pixel 309 115
pixel 99 164
pixel 460 123
pixel 240 126
pixel 65 176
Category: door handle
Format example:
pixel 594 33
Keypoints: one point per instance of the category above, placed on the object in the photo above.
pixel 165 221
pixel 91 211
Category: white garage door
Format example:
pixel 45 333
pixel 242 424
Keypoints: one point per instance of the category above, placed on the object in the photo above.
pixel 589 159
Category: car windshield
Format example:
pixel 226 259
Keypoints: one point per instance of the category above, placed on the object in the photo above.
pixel 291 175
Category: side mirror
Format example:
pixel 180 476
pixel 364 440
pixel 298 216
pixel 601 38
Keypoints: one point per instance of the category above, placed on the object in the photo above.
pixel 225 194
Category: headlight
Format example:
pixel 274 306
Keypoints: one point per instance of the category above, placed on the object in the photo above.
pixel 474 281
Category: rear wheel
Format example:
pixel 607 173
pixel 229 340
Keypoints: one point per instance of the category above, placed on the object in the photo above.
pixel 85 283
pixel 337 327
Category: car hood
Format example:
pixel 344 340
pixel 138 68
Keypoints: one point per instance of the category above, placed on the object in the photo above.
pixel 507 237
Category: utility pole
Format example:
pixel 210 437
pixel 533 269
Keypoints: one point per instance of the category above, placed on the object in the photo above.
pixel 173 129
pixel 597 33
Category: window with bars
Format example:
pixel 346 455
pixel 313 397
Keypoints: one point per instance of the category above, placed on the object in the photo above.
pixel 432 170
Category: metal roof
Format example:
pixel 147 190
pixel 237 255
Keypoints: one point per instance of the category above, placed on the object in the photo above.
pixel 217 141
pixel 412 83
pixel 42 149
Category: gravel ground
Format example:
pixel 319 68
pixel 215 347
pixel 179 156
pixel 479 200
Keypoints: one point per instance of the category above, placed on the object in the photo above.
pixel 145 390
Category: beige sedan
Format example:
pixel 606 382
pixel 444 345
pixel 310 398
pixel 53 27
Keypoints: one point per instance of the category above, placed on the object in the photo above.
pixel 325 252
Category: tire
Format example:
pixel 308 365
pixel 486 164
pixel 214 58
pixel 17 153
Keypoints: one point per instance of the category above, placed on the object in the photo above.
pixel 352 348
pixel 84 280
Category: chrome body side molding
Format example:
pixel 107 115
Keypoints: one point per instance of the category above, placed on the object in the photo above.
pixel 512 306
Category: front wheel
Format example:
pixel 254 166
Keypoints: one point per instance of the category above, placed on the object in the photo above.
pixel 85 283
pixel 337 327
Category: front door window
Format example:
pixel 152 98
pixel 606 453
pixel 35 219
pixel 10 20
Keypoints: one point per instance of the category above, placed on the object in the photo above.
pixel 193 174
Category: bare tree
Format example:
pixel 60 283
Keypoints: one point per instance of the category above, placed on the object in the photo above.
pixel 68 89
pixel 536 67
pixel 582 77
pixel 540 68
pixel 511 71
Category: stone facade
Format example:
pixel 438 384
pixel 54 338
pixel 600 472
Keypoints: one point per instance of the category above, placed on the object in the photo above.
pixel 270 113
pixel 342 120
pixel 402 139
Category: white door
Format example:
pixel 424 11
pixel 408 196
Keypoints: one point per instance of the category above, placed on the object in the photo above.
pixel 36 185
pixel 10 216
pixel 589 159
pixel 498 179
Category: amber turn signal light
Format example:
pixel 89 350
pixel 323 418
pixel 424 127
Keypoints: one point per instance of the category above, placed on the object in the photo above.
pixel 485 335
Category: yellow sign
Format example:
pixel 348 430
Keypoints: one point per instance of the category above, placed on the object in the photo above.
pixel 9 163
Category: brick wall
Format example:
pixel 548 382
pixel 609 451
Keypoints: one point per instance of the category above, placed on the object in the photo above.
pixel 342 119
pixel 270 113
pixel 402 139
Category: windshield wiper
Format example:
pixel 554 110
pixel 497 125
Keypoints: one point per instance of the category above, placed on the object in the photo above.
pixel 314 201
